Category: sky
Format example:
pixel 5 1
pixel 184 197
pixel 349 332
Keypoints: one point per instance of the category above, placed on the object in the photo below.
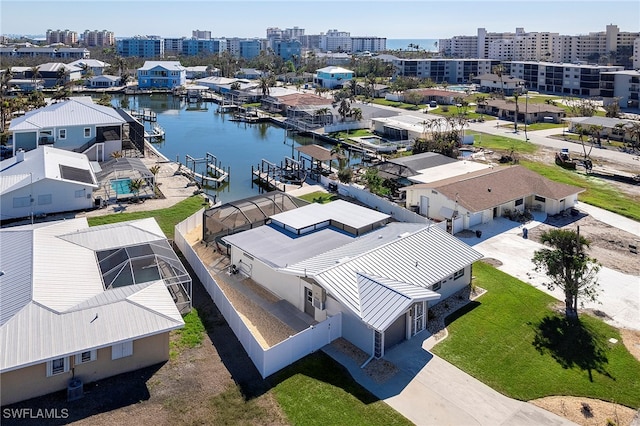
pixel 416 19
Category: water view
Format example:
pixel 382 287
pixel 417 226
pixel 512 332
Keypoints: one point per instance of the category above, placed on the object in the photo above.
pixel 197 129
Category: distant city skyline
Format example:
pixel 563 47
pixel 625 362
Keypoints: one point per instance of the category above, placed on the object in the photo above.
pixel 417 19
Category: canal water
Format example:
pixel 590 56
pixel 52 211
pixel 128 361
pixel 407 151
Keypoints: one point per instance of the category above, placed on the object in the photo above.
pixel 195 129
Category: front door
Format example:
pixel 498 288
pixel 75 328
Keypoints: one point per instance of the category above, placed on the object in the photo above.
pixel 417 318
pixel 308 302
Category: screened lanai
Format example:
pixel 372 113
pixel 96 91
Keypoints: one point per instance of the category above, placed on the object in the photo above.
pixel 143 263
pixel 245 214
pixel 115 175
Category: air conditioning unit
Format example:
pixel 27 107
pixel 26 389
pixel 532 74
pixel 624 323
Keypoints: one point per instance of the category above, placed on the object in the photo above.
pixel 319 297
pixel 75 389
pixel 319 304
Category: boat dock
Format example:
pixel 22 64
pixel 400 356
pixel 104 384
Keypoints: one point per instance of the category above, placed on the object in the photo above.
pixel 144 115
pixel 284 177
pixel 156 134
pixel 215 175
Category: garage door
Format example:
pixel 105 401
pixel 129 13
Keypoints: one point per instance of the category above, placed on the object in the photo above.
pixel 475 219
pixel 396 333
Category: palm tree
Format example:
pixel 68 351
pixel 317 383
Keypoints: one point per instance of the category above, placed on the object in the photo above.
pixel 499 71
pixel 6 77
pixel 155 169
pixel 338 152
pixel 344 109
pixel 35 74
pixel 516 95
pixel 356 114
pixel 322 113
pixel 634 132
pixel 266 82
pixel 352 87
pixel 135 185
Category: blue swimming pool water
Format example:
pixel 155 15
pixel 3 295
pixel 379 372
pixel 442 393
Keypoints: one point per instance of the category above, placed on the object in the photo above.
pixel 121 186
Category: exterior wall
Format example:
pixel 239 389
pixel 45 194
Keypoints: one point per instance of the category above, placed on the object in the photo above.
pixel 354 330
pixel 63 199
pixel 287 287
pixel 29 382
pixel 332 80
pixel 159 77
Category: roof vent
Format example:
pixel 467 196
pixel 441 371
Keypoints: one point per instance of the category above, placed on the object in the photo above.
pixel 343 259
pixel 404 234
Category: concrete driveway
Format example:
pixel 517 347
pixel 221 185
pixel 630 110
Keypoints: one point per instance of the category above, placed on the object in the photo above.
pixel 430 391
pixel 620 293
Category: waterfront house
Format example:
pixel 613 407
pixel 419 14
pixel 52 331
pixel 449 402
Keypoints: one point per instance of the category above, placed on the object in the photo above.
pixel 343 259
pixel 104 81
pixel 332 77
pixel 76 124
pixel 476 197
pixel 95 66
pixel 54 74
pixel 85 303
pixel 43 181
pixel 161 75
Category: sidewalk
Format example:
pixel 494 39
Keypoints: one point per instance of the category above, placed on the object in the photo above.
pixel 430 391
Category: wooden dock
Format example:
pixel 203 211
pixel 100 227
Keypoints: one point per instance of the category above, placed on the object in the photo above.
pixel 215 175
pixel 266 180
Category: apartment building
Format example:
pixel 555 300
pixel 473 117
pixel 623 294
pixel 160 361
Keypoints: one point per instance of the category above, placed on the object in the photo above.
pixel 97 38
pixel 335 41
pixel 621 86
pixel 62 36
pixel 368 44
pixel 443 70
pixel 594 47
pixel 202 35
pixel 141 46
pixel 560 78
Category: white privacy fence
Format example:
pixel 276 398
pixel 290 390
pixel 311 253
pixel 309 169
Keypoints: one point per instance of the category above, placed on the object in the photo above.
pixel 267 361
pixel 375 202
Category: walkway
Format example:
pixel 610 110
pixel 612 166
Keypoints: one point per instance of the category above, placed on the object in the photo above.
pixel 620 293
pixel 430 391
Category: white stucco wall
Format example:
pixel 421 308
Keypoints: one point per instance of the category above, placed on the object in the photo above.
pixel 63 199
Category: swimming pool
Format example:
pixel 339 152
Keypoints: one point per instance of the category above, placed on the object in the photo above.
pixel 121 186
pixel 461 88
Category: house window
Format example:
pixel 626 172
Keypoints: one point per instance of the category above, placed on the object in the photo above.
pixel 87 132
pixel 122 350
pixel 86 356
pixel 519 202
pixel 21 202
pixel 436 286
pixel 539 198
pixel 44 199
pixel 57 366
pixel 458 274
pixel 62 134
pixel 80 193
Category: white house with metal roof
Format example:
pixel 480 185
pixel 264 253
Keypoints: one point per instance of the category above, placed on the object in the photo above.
pixel 76 124
pixel 84 303
pixel 162 74
pixel 465 200
pixel 343 258
pixel 43 181
pixel 332 76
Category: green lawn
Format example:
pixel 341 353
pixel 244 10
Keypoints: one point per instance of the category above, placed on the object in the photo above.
pixel 598 192
pixel 511 340
pixel 396 104
pixel 351 133
pixel 319 197
pixel 167 218
pixel 501 143
pixel 190 336
pixel 318 391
